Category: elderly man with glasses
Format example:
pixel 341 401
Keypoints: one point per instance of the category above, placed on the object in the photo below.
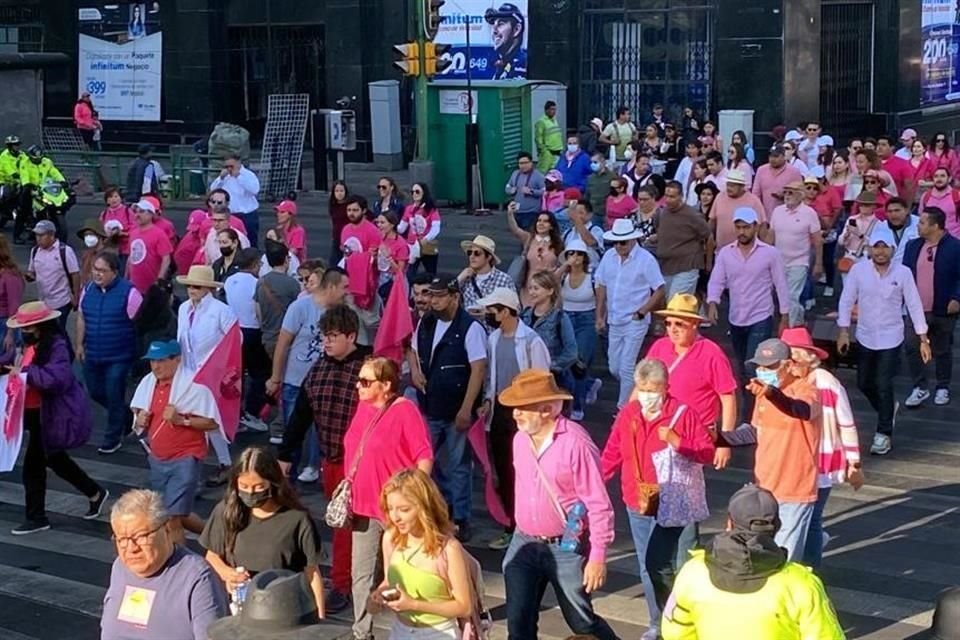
pixel 158 588
pixel 243 187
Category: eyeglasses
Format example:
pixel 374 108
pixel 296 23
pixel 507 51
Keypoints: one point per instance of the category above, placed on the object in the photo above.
pixel 871 181
pixel 476 253
pixel 812 187
pixel 573 253
pixel 333 335
pixel 416 191
pixel 675 323
pixel 366 382
pixel 929 254
pixel 193 286
pixel 621 243
pixel 211 201
pixel 140 539
pixel 383 187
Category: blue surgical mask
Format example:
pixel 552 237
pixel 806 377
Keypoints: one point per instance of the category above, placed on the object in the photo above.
pixel 573 148
pixel 594 166
pixel 768 377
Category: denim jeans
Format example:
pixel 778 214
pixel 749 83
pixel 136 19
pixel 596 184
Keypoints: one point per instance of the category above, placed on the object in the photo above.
pixel 875 372
pixel 796 280
pixel 794 524
pixel 745 341
pixel 311 448
pixel 813 550
pixel 453 474
pixel 661 561
pixel 683 282
pixel 585 330
pixel 252 223
pixel 107 385
pixel 640 528
pixel 623 347
pixel 528 567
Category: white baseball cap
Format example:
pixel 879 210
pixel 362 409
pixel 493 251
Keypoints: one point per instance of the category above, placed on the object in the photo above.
pixel 503 296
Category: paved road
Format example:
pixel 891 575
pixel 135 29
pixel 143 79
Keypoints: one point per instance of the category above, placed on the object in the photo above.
pixel 894 544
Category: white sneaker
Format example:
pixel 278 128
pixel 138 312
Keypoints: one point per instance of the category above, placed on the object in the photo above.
pixel 576 416
pixel 917 397
pixel 309 474
pixel 826 538
pixel 941 397
pixel 253 423
pixel 651 634
pixel 881 445
pixel 276 439
pixel 828 292
pixel 593 391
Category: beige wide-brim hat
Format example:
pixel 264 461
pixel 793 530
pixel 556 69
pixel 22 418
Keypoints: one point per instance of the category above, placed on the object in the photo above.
pixel 482 242
pixel 31 313
pixel 200 276
pixel 531 387
pixel 682 305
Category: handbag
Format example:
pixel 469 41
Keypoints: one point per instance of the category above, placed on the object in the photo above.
pixel 648 493
pixel 846 263
pixel 339 512
pixel 683 493
pixel 429 247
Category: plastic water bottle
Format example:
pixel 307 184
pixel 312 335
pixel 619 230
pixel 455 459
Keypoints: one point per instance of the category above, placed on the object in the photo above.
pixel 571 533
pixel 239 594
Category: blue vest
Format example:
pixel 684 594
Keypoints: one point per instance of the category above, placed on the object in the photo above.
pixel 447 369
pixel 110 336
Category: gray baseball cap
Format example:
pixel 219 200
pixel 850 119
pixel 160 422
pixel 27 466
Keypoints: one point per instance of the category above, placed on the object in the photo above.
pixel 45 226
pixel 770 352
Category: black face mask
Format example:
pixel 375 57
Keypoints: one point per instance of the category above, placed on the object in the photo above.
pixel 29 338
pixel 491 320
pixel 253 499
pixel 226 251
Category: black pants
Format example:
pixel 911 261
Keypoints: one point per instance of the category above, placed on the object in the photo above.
pixel 940 332
pixel 502 430
pixel 35 464
pixel 875 372
pixel 257 366
pixel 661 561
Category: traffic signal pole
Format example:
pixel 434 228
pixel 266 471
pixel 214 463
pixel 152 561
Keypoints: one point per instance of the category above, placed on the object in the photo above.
pixel 423 133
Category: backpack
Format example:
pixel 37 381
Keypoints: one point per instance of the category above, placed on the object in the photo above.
pixel 63 263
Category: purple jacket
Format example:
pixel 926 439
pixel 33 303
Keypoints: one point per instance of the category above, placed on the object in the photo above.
pixel 65 419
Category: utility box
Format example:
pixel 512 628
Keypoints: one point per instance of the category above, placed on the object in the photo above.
pixel 341 130
pixel 385 125
pixel 504 113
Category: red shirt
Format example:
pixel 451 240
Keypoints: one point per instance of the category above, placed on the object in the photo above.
pixel 148 247
pixel 827 203
pixel 169 441
pixel 700 378
pixel 900 170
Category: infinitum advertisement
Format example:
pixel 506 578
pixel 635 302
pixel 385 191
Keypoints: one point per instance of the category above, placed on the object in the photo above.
pixel 119 59
pixel 498 39
pixel 940 38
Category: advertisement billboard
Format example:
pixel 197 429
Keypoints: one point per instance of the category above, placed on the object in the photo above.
pixel 119 59
pixel 498 39
pixel 940 38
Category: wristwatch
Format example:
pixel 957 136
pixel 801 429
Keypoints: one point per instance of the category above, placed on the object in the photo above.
pixel 639 316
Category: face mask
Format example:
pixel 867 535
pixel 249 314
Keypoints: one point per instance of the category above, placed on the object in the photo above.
pixel 573 148
pixel 29 338
pixel 768 377
pixel 91 241
pixel 226 251
pixel 253 499
pixel 491 320
pixel 628 154
pixel 650 401
pixel 594 166
pixel 550 186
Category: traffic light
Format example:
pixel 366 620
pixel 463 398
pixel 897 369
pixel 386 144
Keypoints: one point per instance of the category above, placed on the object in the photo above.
pixel 431 9
pixel 410 64
pixel 433 60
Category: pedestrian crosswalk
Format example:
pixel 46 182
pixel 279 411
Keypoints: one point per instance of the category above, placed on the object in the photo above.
pixel 893 544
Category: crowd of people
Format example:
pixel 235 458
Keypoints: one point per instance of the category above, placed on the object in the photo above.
pixel 388 382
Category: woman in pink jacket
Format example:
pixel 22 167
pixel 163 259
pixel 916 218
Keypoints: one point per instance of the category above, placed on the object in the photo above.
pixel 86 121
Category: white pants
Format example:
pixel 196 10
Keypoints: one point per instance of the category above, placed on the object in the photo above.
pixel 683 282
pixel 796 281
pixel 221 447
pixel 623 347
pixel 446 631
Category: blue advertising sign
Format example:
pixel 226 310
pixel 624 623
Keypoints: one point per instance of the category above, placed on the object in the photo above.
pixel 940 37
pixel 498 39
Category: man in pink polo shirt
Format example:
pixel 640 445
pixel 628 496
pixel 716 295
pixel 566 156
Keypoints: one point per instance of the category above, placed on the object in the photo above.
pixel 734 197
pixel 771 178
pixel 359 234
pixel 558 478
pixel 795 231
pixel 899 169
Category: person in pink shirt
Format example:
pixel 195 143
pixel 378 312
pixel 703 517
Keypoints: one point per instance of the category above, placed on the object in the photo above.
pixel 794 230
pixel 165 224
pixel 552 198
pixel 150 249
pixel 771 178
pixel 734 196
pixel 117 210
pixel 288 230
pixel 421 225
pixel 945 198
pixel 825 200
pixel 86 121
pixel 840 173
pixel 619 203
pixel 359 234
pixel 394 252
pixel 921 164
pixel 191 244
pixel 558 477
pixel 942 155
pixel 899 169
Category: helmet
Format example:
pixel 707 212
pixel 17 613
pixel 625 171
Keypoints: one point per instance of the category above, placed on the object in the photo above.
pixel 12 140
pixel 35 151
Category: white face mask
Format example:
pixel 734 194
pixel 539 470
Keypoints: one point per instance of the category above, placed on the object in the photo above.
pixel 651 402
pixel 91 241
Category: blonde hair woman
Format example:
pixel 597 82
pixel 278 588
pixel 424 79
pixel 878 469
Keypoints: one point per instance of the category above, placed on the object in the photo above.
pixel 546 316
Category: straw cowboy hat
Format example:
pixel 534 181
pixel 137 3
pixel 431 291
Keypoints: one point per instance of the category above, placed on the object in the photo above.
pixel 682 305
pixel 200 276
pixel 481 242
pixel 530 387
pixel 30 314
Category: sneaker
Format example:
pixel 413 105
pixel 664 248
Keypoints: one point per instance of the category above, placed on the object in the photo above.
pixel 464 533
pixel 334 601
pixel 108 449
pixel 651 634
pixel 254 423
pixel 808 305
pixel 309 474
pixel 881 445
pixel 30 526
pixel 828 292
pixel 825 539
pixel 942 397
pixel 501 542
pixel 276 439
pixel 576 415
pixel 219 477
pixel 593 391
pixel 916 398
pixel 96 506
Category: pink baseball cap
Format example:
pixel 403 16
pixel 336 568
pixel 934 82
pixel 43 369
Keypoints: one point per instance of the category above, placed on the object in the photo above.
pixel 286 206
pixel 908 134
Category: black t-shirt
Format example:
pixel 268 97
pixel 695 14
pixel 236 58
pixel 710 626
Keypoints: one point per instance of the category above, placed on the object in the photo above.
pixel 286 540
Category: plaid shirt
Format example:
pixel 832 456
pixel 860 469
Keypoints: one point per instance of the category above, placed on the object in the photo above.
pixel 331 388
pixel 473 290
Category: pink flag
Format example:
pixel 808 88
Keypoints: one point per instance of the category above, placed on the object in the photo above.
pixel 478 442
pixel 396 326
pixel 221 372
pixel 12 395
pixel 362 279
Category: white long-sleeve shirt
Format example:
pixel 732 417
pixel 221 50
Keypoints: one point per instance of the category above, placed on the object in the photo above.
pixel 199 335
pixel 880 297
pixel 243 189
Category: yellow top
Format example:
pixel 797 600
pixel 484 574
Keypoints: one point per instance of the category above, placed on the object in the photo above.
pixel 419 584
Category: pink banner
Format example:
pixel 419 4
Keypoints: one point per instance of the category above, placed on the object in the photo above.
pixel 478 442
pixel 12 395
pixel 222 374
pixel 396 327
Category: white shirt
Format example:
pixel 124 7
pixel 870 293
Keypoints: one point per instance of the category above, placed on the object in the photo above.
pixel 199 336
pixel 629 283
pixel 903 152
pixel 684 172
pixel 529 348
pixel 239 289
pixel 910 232
pixel 292 265
pixel 211 246
pixel 879 299
pixel 475 341
pixel 243 189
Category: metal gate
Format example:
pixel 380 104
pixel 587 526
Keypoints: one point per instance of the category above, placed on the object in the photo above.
pixel 846 66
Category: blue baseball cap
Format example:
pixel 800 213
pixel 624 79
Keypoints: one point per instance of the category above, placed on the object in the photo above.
pixel 162 349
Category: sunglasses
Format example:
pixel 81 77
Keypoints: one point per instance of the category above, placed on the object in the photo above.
pixel 479 253
pixel 811 187
pixel 383 187
pixel 574 253
pixel 416 191
pixel 940 140
pixel 621 243
pixel 812 129
pixel 674 323
pixel 193 286
pixel 366 382
pixel 871 181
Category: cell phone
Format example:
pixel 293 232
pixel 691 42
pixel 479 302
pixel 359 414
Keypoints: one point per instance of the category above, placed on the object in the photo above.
pixel 852 222
pixel 390 595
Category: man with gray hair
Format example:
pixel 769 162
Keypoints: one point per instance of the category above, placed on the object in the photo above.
pixel 158 589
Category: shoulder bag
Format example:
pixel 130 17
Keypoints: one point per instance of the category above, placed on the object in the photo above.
pixel 648 493
pixel 846 263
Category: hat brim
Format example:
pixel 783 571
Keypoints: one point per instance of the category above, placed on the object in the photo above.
pixel 85 230
pixel 686 315
pixel 208 284
pixel 513 398
pixel 633 235
pixel 492 16
pixel 466 245
pixel 13 324
pixel 236 628
pixel 817 351
pixel 763 362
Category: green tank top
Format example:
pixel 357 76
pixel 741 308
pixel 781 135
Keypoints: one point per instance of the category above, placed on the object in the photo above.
pixel 419 584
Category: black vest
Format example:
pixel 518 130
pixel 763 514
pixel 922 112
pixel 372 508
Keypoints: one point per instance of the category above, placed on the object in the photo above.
pixel 135 180
pixel 447 369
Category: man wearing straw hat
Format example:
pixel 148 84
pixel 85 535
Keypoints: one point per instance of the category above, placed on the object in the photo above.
pixel 558 477
pixel 794 231
pixel 481 277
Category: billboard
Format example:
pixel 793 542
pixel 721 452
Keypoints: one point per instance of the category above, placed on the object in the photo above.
pixel 119 59
pixel 498 39
pixel 940 37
